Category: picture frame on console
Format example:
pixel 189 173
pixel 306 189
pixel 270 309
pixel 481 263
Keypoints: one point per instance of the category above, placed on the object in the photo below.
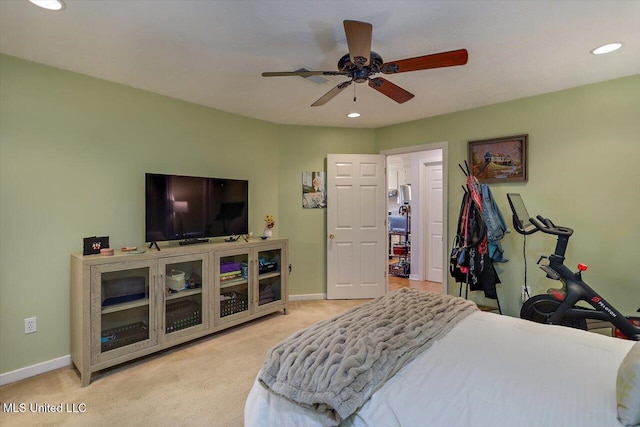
pixel 92 245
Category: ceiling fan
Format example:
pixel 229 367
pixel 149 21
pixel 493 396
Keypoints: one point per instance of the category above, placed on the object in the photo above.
pixel 361 63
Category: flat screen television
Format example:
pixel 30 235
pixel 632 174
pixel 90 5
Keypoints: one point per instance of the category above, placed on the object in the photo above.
pixel 188 207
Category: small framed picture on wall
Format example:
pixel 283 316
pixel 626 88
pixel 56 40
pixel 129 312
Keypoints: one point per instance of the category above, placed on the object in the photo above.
pixel 314 190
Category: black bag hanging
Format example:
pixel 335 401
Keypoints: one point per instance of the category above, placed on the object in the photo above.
pixel 471 232
pixel 458 251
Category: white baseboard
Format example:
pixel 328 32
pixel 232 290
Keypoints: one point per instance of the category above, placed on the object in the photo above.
pixel 33 370
pixel 61 362
pixel 307 297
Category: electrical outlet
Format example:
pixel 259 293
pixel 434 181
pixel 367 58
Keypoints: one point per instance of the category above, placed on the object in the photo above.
pixel 30 325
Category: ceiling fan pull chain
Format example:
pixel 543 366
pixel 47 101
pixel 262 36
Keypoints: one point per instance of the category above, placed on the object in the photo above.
pixel 354 93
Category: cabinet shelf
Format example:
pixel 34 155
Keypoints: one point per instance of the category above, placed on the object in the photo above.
pixel 125 306
pixel 269 275
pixel 232 283
pixel 183 293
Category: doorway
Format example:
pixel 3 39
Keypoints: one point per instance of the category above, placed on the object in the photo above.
pixel 423 170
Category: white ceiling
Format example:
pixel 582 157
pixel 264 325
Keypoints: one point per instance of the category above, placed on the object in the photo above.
pixel 211 52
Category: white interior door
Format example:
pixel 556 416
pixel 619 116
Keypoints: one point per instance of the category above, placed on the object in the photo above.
pixel 356 226
pixel 435 229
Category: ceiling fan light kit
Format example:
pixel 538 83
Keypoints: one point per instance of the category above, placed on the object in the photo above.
pixel 361 64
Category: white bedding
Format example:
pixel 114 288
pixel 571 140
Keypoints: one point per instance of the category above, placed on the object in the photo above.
pixel 490 370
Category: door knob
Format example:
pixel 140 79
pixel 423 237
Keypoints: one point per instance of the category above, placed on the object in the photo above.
pixel 331 236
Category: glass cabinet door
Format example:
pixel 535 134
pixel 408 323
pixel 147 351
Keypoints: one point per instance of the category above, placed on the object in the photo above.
pixel 233 275
pixel 269 276
pixel 184 281
pixel 122 309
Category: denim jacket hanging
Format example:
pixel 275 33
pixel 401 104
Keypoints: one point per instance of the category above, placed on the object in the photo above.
pixel 496 226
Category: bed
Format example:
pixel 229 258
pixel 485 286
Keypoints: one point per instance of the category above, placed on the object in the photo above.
pixel 484 370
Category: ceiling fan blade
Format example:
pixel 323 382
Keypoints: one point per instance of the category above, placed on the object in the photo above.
pixel 393 91
pixel 331 94
pixel 436 60
pixel 301 73
pixel 359 41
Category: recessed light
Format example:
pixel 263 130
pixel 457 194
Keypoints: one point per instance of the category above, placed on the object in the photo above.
pixel 607 48
pixel 49 4
pixel 353 115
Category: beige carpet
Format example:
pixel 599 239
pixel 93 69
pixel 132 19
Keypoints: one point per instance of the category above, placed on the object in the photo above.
pixel 204 383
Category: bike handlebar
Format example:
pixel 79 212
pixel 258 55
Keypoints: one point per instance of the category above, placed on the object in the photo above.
pixel 547 226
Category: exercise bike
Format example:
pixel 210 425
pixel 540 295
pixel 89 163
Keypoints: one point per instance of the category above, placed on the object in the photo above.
pixel 558 305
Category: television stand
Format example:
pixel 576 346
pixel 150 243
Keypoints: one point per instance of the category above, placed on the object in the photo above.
pixel 227 287
pixel 152 244
pixel 192 241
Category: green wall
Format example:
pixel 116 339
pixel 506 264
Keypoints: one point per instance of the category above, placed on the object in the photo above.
pixel 584 172
pixel 74 149
pixel 73 153
pixel 305 149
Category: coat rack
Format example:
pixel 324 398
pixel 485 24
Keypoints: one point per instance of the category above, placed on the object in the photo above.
pixel 470 263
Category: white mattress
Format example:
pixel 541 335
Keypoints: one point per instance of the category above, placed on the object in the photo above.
pixel 490 370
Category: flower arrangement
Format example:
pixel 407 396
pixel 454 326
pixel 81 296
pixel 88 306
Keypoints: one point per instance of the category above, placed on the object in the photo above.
pixel 270 223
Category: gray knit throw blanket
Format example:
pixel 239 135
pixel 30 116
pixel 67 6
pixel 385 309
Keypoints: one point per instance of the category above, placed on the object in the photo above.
pixel 335 365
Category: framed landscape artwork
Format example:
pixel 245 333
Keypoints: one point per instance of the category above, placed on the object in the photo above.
pixel 499 159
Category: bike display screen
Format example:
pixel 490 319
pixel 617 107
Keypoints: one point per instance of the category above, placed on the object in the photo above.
pixel 519 210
